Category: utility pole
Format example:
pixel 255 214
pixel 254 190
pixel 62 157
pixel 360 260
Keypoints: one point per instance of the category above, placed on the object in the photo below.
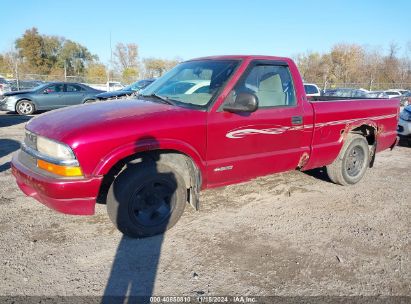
pixel 111 62
pixel 17 74
pixel 65 71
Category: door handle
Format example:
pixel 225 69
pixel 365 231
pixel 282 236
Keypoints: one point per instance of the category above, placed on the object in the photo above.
pixel 297 120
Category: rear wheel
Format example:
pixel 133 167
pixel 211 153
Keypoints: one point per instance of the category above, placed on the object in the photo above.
pixel 352 162
pixel 25 107
pixel 146 199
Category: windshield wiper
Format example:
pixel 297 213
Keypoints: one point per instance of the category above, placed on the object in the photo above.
pixel 163 99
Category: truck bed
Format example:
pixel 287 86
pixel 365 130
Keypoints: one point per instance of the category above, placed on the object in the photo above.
pixel 332 98
pixel 333 117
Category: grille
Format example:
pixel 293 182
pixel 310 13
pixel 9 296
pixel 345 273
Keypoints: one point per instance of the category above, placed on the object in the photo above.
pixel 31 140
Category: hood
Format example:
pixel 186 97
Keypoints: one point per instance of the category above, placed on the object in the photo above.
pixel 18 92
pixel 101 119
pixel 114 93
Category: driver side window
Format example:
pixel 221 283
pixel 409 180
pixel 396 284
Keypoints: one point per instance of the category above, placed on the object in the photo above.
pixel 55 88
pixel 272 84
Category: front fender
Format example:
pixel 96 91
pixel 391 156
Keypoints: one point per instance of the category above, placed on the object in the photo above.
pixel 130 149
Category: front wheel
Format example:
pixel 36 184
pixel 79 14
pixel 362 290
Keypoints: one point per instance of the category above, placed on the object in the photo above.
pixel 25 107
pixel 146 199
pixel 352 162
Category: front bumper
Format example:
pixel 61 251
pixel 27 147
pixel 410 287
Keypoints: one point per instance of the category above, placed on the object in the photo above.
pixel 404 127
pixel 69 196
pixel 7 105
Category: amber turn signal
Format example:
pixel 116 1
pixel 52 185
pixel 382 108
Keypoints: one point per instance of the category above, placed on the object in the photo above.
pixel 59 170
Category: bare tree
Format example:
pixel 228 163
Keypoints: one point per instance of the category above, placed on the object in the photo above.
pixel 126 56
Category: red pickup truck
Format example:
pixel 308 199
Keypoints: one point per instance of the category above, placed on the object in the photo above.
pixel 208 122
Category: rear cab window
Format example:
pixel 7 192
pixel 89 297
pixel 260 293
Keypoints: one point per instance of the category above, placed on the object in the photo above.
pixel 310 89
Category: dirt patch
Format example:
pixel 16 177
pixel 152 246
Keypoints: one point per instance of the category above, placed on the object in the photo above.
pixel 288 234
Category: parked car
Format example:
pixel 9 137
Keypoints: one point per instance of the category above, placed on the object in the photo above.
pixel 345 92
pixel 404 124
pixel 377 94
pixel 4 86
pixel 393 93
pixel 24 85
pixel 114 86
pixel 405 99
pixel 147 158
pixel 402 91
pixel 106 87
pixel 311 89
pixel 48 96
pixel 127 91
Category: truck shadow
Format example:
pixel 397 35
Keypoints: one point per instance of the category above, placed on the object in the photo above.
pixel 405 142
pixel 319 173
pixel 13 119
pixel 7 146
pixel 134 269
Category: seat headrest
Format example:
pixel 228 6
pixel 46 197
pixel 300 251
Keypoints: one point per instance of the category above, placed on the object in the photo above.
pixel 271 83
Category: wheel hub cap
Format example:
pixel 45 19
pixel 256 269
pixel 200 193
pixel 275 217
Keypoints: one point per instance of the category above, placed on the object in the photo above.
pixel 355 161
pixel 153 203
pixel 25 107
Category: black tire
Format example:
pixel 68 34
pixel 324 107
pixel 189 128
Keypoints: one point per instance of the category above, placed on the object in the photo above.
pixel 352 162
pixel 405 142
pixel 146 199
pixel 25 107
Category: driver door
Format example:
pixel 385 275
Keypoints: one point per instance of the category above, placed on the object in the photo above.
pixel 245 145
pixel 50 97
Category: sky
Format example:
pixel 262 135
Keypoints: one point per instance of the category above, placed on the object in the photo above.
pixel 189 29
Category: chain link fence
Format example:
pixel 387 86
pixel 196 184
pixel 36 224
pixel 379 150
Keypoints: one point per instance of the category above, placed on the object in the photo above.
pixel 366 85
pixel 28 81
pixel 102 81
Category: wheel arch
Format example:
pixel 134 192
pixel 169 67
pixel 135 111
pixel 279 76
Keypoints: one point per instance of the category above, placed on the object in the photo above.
pixel 370 131
pixel 26 99
pixel 184 163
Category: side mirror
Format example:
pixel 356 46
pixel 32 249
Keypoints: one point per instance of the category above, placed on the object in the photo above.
pixel 244 102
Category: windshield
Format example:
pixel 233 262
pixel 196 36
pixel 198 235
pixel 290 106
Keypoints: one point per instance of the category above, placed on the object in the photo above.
pixel 39 87
pixel 193 82
pixel 136 85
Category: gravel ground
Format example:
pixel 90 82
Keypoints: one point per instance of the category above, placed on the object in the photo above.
pixel 286 234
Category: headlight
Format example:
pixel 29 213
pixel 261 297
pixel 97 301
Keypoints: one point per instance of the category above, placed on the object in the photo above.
pixel 405 115
pixel 52 156
pixel 54 149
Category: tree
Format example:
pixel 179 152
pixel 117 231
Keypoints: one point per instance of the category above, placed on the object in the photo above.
pixel 5 66
pixel 346 60
pixel 96 73
pixel 73 57
pixel 30 48
pixel 129 75
pixel 155 67
pixel 126 59
pixel 42 54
